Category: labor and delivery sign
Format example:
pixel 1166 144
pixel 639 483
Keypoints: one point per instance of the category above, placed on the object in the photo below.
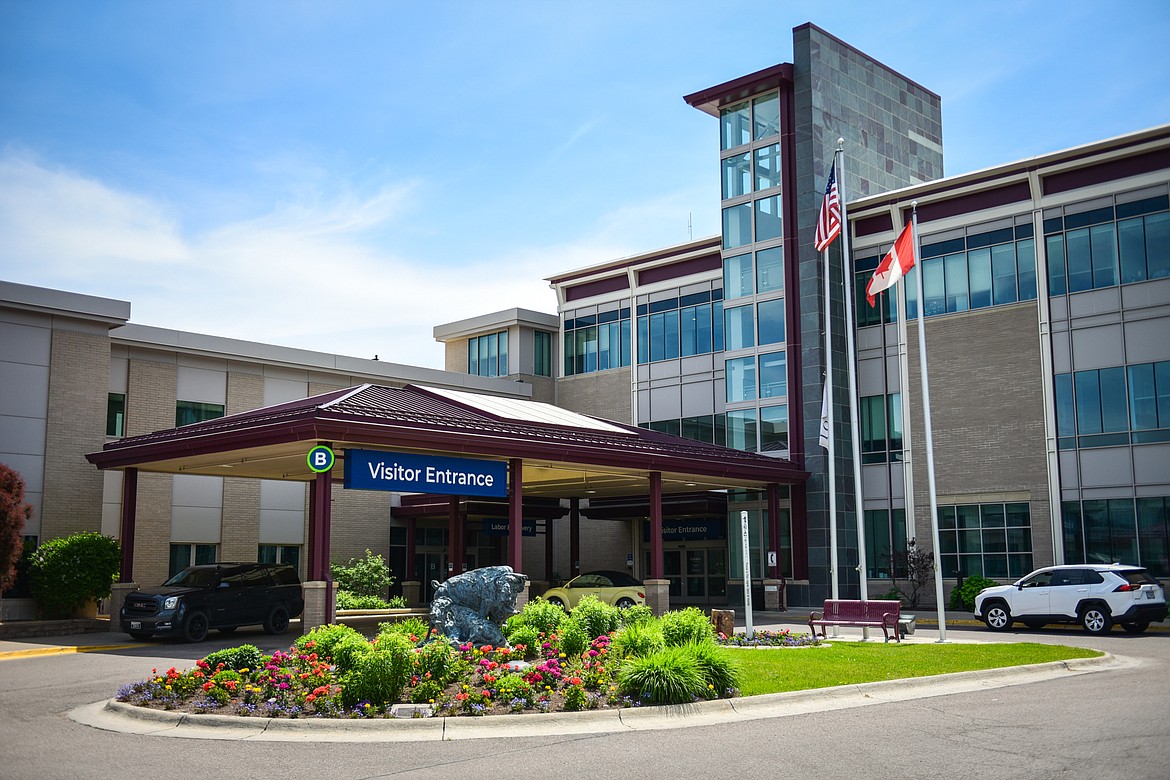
pixel 412 473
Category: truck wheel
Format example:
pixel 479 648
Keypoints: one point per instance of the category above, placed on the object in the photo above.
pixel 277 621
pixel 195 629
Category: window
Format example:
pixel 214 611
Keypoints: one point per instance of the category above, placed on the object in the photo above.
pixel 989 540
pixel 766 116
pixel 1110 406
pixel 735 125
pixel 741 430
pixel 771 317
pixel 666 331
pixel 885 533
pixel 1107 246
pixel 709 428
pixel 885 309
pixel 774 428
pixel 541 353
pixel 881 428
pixel 1107 530
pixel 188 412
pixel 737 175
pixel 767 167
pixel 115 414
pixel 769 224
pixel 596 341
pixel 1102 417
pixel 1149 401
pixel 770 269
pixel 184 555
pixel 991 268
pixel 739 327
pixel 737 276
pixel 279 553
pixel 740 380
pixel 737 225
pixel 774 375
pixel 488 355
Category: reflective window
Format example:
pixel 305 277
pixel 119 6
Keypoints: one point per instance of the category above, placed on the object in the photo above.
pixel 740 380
pixel 115 414
pixel 594 342
pixel 735 125
pixel 771 318
pixel 739 328
pixel 541 353
pixel 1106 246
pixel 773 428
pixel 768 221
pixel 188 412
pixel 488 355
pixel 766 117
pixel 741 430
pixel 737 276
pixel 774 375
pixel 989 540
pixel 881 428
pixel 737 176
pixel 767 167
pixel 770 269
pixel 737 225
pixel 998 267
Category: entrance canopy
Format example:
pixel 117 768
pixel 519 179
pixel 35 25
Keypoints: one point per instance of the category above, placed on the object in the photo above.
pixel 565 455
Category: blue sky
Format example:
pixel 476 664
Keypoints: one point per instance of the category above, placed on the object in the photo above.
pixel 342 176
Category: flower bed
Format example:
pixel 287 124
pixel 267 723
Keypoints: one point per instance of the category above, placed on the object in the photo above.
pixel 335 672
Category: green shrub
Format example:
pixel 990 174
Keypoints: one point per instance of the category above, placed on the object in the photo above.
pixel 396 602
pixel 527 636
pixel 348 600
pixel 596 617
pixel 511 687
pixel 70 572
pixel 638 639
pixel 323 639
pixel 669 676
pixel 235 658
pixel 686 626
pixel 369 576
pixel 573 638
pixel 575 698
pixel 347 653
pixel 380 674
pixel 414 627
pixel 639 613
pixel 426 692
pixel 719 670
pixel 439 660
pixel 541 615
pixel 963 597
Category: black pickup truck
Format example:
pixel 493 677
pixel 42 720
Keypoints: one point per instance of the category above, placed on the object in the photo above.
pixel 222 596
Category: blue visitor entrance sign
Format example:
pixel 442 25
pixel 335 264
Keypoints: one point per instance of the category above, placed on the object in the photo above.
pixel 413 473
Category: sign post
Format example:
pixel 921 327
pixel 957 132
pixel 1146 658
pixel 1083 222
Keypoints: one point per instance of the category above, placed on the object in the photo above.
pixel 747 575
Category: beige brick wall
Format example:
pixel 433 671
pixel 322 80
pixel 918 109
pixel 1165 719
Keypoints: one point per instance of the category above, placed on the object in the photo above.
pixel 361 521
pixel 79 376
pixel 455 356
pixel 150 406
pixel 603 394
pixel 239 534
pixel 989 433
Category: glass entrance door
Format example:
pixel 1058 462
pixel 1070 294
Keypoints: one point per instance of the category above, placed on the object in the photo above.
pixel 431 566
pixel 697 574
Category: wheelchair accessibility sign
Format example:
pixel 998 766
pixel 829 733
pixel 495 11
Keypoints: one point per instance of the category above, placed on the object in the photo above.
pixel 321 459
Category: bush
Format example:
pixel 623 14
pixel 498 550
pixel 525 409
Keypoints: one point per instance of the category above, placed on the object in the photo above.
pixel 347 653
pixel 323 640
pixel 963 597
pixel 380 674
pixel 719 671
pixel 369 576
pixel 396 602
pixel 527 636
pixel 669 676
pixel 596 617
pixel 573 638
pixel 347 600
pixel 415 629
pixel 639 613
pixel 686 626
pixel 541 615
pixel 638 640
pixel 235 658
pixel 440 661
pixel 71 572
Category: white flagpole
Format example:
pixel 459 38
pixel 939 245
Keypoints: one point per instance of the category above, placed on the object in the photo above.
pixel 831 450
pixel 929 430
pixel 851 357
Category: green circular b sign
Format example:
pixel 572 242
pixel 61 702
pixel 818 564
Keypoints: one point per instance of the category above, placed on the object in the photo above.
pixel 321 458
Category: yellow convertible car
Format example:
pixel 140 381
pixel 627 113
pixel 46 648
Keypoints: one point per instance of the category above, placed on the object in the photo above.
pixel 613 587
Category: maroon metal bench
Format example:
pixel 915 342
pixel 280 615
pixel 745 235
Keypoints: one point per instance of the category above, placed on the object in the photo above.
pixel 881 614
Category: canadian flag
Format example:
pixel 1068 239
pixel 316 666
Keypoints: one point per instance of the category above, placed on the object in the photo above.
pixel 896 264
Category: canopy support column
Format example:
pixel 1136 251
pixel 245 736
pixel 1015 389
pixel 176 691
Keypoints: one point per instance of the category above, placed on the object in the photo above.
pixel 515 513
pixel 574 537
pixel 657 588
pixel 319 585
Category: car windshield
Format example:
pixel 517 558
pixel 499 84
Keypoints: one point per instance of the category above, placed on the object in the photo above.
pixel 194 578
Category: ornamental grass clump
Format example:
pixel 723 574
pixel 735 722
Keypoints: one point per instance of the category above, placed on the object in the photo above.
pixel 323 639
pixel 596 617
pixel 719 670
pixel 542 615
pixel 669 676
pixel 415 629
pixel 639 613
pixel 380 674
pixel 638 640
pixel 239 658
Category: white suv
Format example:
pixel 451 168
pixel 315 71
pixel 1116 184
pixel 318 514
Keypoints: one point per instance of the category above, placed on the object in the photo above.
pixel 1094 595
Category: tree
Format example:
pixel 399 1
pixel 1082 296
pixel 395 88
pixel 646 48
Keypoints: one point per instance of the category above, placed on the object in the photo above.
pixel 14 511
pixel 369 576
pixel 918 568
pixel 70 572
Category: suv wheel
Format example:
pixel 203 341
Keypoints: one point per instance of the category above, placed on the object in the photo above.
pixel 1096 620
pixel 996 616
pixel 195 629
pixel 277 621
pixel 1135 628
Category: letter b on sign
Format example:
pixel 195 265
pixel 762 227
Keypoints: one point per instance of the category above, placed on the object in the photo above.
pixel 321 458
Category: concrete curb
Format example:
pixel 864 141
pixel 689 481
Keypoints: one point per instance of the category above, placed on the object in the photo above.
pixel 111 715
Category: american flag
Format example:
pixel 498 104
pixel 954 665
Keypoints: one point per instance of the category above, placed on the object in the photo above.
pixel 829 221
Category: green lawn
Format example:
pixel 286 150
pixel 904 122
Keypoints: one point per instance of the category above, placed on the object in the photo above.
pixel 848 663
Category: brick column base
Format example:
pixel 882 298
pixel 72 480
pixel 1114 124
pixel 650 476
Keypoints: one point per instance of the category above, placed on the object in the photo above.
pixel 118 593
pixel 775 599
pixel 658 596
pixel 315 613
pixel 411 591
